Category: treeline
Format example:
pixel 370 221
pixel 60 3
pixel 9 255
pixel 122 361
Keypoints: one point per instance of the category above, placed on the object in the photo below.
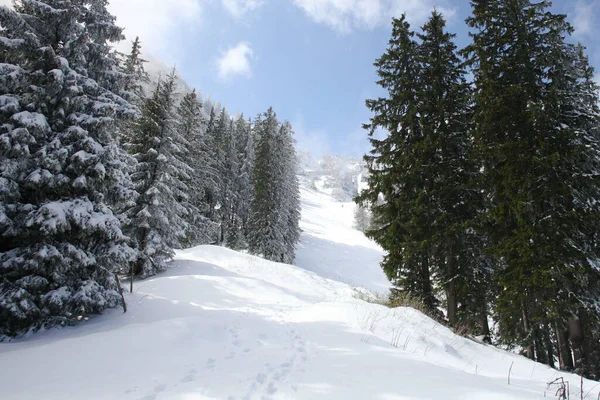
pixel 485 194
pixel 98 179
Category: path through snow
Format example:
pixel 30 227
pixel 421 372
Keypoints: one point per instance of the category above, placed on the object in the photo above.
pixel 226 325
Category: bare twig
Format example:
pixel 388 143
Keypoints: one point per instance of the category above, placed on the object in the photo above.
pixel 509 371
pixel 563 388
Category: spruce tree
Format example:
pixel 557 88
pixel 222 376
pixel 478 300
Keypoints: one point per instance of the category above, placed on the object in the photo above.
pixel 136 76
pixel 59 164
pixel 288 188
pixel 192 127
pixel 446 159
pixel 159 221
pixel 395 169
pixel 275 208
pixel 243 183
pixel 537 141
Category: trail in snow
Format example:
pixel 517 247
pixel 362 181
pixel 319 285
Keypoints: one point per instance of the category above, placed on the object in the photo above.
pixel 226 325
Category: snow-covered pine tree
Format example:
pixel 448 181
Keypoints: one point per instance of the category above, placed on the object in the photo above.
pixel 213 181
pixel 275 210
pixel 362 220
pixel 192 127
pixel 229 173
pixel 264 237
pixel 243 183
pixel 136 76
pixel 101 62
pixel 289 190
pixel 159 220
pixel 59 164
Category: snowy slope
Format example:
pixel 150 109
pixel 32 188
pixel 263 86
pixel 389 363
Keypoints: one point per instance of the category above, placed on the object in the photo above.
pixel 330 246
pixel 226 325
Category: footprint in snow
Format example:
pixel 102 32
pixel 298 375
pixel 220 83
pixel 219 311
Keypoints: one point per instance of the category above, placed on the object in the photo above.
pixel 157 389
pixel 261 378
pixel 191 376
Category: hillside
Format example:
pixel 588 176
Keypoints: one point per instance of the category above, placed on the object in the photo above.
pixel 226 325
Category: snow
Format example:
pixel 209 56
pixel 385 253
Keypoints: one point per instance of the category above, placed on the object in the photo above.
pixel 32 120
pixel 331 247
pixel 222 324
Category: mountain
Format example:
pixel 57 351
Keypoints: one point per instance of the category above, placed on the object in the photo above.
pixel 226 325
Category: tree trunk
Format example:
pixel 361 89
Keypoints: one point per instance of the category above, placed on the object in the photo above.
pixel 540 347
pixel 451 291
pixel 529 347
pixel 565 359
pixel 426 283
pixel 485 325
pixel 138 266
pixel 548 344
pixel 576 336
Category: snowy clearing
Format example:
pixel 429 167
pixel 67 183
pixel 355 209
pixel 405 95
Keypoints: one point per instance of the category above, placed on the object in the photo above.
pixel 226 325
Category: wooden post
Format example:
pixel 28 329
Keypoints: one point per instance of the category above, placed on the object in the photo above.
pixel 121 293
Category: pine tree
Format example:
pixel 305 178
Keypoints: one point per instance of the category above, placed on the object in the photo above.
pixel 288 190
pixel 362 220
pixel 230 197
pixel 274 211
pixel 395 169
pixel 159 220
pixel 192 127
pixel 216 182
pixel 537 141
pixel 446 159
pixel 136 76
pixel 243 183
pixel 59 164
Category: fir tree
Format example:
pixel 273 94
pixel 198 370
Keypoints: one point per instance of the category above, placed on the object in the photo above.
pixel 136 76
pixel 59 164
pixel 395 169
pixel 159 220
pixel 288 188
pixel 362 220
pixel 191 127
pixel 243 183
pixel 274 211
pixel 446 159
pixel 537 141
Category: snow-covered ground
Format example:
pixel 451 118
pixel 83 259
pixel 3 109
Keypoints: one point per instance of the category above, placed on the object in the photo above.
pixel 226 325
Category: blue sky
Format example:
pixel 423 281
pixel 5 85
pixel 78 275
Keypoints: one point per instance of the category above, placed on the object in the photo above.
pixel 309 59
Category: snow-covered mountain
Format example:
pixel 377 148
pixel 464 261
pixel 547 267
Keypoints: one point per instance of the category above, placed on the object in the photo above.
pixel 340 177
pixel 225 325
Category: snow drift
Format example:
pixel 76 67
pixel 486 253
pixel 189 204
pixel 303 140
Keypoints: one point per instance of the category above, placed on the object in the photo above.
pixel 226 325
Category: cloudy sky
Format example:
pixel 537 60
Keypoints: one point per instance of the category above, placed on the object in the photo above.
pixel 309 59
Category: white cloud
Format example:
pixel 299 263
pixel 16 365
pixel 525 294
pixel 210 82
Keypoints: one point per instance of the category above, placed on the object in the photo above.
pixel 160 24
pixel 238 8
pixel 346 15
pixel 583 17
pixel 235 62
